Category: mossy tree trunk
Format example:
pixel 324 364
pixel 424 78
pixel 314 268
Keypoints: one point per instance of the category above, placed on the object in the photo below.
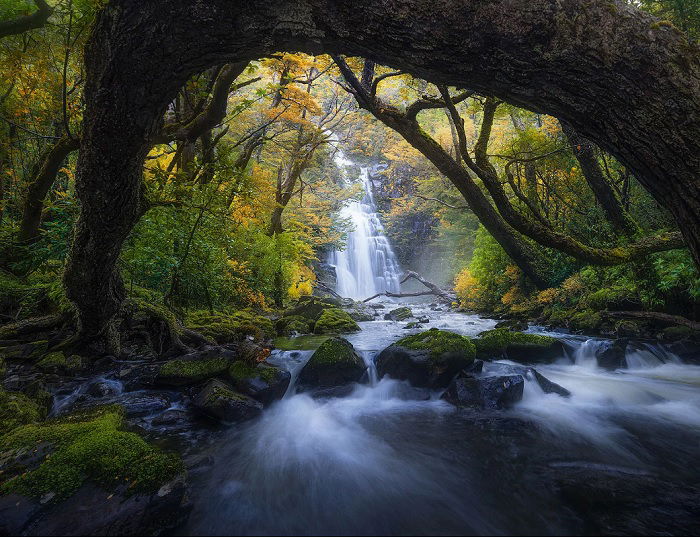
pixel 615 74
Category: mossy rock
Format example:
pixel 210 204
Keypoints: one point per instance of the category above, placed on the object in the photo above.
pixel 18 409
pixel 88 446
pixel 412 325
pixel 3 367
pixel 310 307
pixel 586 321
pixel 678 333
pixel 219 400
pixel 227 328
pixel 294 324
pixel 399 314
pixel 187 372
pixel 335 363
pixel 627 328
pixel 517 346
pixel 300 343
pixel 335 321
pixel 53 362
pixel 262 382
pixel 429 359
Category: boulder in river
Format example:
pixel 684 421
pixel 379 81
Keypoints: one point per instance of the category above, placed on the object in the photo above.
pixel 335 363
pixel 360 311
pixel 399 314
pixel 514 325
pixel 518 346
pixel 429 359
pixel 493 393
pixel 528 373
pixel 612 355
pixel 335 321
pixel 262 382
pixel 218 400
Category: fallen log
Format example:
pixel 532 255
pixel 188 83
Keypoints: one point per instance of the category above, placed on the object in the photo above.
pixel 654 316
pixel 434 289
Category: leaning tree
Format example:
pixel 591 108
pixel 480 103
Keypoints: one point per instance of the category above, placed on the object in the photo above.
pixel 619 77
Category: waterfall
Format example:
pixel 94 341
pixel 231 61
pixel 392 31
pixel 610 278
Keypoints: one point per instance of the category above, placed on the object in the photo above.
pixel 367 266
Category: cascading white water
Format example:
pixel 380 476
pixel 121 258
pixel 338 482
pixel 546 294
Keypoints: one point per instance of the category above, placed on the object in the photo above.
pixel 367 266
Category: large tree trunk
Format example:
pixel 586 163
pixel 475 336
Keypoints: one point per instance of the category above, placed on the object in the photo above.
pixel 627 83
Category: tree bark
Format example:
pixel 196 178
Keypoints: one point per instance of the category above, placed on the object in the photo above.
pixel 584 152
pixel 619 78
pixel 25 23
pixel 40 186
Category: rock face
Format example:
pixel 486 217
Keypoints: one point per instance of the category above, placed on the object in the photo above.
pixel 485 392
pixel 518 346
pixel 429 359
pixel 263 383
pixel 399 314
pixel 220 401
pixel 335 363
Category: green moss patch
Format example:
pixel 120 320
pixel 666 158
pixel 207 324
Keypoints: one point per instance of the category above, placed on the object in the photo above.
pixel 181 372
pixel 301 343
pixel 290 324
pixel 90 446
pixel 334 351
pixel 438 342
pixel 399 314
pixel 17 409
pixel 241 371
pixel 310 307
pixel 335 320
pixel 494 342
pixel 225 328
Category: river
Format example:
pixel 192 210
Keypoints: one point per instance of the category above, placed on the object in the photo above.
pixel 619 456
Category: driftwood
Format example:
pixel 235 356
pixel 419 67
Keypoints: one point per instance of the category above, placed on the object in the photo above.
pixel 434 289
pixel 654 316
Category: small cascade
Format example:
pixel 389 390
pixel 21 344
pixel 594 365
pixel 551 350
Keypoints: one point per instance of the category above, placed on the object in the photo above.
pixel 647 355
pixel 368 359
pixel 586 354
pixel 367 266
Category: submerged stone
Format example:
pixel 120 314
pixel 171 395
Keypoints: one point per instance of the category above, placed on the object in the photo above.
pixel 485 392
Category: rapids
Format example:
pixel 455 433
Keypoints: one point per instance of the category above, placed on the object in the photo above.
pixel 619 456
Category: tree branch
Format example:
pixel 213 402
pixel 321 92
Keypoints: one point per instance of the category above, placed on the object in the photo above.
pixel 27 22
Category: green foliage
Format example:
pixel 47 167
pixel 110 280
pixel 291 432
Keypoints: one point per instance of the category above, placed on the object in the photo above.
pixel 439 342
pixel 335 320
pixel 290 324
pixel 90 446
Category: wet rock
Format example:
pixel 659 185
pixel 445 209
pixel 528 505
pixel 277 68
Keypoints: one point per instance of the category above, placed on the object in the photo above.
pixel 171 417
pixel 687 351
pixel 629 329
pixel 485 392
pixel 95 511
pixel 143 403
pixel 424 320
pixel 262 382
pixel 514 325
pixel 612 355
pixel 333 392
pixel 335 363
pixel 529 373
pixel 475 368
pixel 377 306
pixel 518 346
pixel 429 359
pixel 399 314
pixel 218 400
pixel 361 312
pixel 412 325
pixel 104 388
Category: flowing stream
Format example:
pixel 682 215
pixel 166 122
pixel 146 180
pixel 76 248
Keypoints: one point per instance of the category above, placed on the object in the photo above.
pixel 621 452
